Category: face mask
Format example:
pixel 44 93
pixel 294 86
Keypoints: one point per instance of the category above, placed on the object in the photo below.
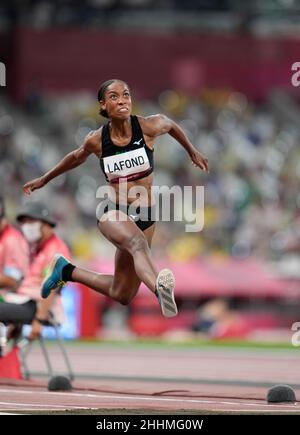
pixel 32 231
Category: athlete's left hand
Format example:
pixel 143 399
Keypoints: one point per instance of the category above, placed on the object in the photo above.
pixel 200 161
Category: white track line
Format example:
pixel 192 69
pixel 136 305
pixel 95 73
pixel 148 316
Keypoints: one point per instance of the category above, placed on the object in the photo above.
pixel 152 399
pixel 9 413
pixel 42 406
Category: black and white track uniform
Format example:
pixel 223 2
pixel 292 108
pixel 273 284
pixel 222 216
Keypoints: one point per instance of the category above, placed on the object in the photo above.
pixel 127 163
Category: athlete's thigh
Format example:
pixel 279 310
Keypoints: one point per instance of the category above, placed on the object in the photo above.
pixel 117 227
pixel 125 277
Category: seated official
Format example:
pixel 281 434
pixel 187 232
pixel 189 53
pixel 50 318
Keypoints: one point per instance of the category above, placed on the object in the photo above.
pixel 25 305
pixel 14 254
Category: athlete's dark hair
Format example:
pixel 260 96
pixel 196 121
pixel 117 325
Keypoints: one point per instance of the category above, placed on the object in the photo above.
pixel 101 94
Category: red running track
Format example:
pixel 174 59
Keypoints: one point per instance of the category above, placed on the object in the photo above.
pixel 159 378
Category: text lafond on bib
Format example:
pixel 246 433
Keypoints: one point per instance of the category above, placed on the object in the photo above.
pixel 125 164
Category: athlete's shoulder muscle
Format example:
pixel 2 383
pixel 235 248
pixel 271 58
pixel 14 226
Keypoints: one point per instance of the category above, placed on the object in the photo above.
pixel 90 145
pixel 92 142
pixel 155 125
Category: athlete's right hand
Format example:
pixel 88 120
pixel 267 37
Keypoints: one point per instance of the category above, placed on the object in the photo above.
pixel 32 185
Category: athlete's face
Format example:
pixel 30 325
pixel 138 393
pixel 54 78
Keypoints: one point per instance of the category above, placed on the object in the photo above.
pixel 117 101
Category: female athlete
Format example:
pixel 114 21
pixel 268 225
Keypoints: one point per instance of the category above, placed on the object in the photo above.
pixel 124 147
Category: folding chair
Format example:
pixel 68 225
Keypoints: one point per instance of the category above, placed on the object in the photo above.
pixel 25 347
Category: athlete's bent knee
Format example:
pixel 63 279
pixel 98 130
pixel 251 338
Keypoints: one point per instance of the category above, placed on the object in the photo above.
pixel 120 297
pixel 125 300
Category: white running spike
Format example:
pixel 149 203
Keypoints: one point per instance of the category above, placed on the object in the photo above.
pixel 165 284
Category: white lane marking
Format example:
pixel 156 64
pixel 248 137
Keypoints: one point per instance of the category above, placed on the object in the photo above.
pixel 9 413
pixel 151 399
pixel 42 406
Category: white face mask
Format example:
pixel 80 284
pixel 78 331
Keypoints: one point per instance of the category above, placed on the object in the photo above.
pixel 32 232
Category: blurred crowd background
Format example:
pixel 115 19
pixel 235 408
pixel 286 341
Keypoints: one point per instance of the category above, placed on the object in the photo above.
pixel 252 198
pixel 249 132
pixel 261 17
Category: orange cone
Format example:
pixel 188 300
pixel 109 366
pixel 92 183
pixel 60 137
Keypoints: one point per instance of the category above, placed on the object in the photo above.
pixel 10 365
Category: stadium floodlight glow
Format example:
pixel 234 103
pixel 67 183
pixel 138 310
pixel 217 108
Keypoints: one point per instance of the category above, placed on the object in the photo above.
pixel 2 74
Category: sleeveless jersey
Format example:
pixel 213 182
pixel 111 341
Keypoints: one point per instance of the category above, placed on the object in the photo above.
pixel 130 162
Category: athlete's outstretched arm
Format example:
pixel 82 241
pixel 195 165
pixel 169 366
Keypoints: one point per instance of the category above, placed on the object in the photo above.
pixel 75 158
pixel 157 125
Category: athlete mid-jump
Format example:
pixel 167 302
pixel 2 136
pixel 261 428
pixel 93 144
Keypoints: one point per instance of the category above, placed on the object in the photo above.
pixel 124 147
